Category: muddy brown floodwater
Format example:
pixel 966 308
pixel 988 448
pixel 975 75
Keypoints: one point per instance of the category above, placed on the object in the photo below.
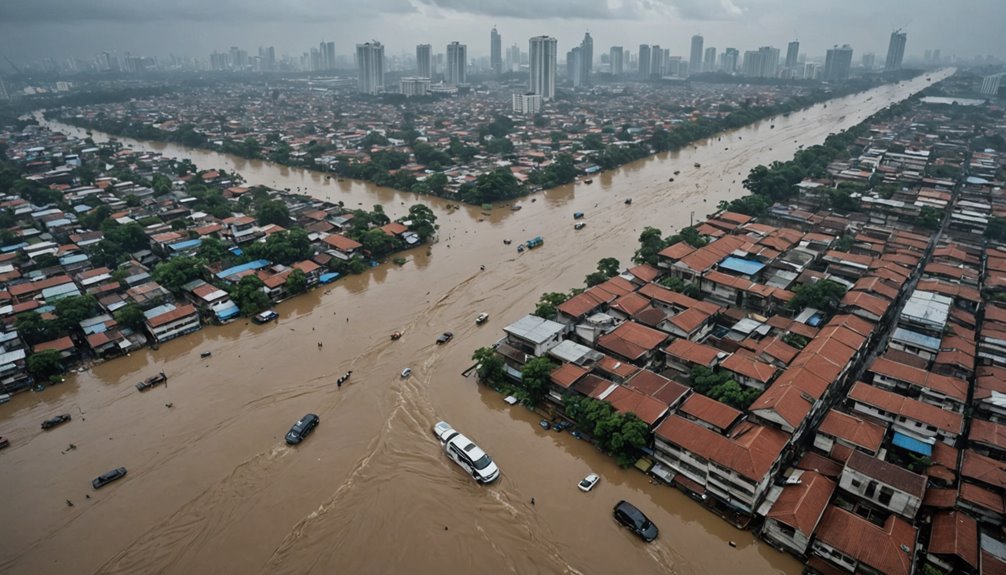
pixel 212 487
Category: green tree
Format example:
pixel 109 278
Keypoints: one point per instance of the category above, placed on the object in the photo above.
pixel 609 267
pixel 284 248
pixel 535 380
pixel 422 221
pixel 650 244
pixel 490 370
pixel 548 304
pixel 273 212
pixel 996 229
pixel 378 243
pixel 34 329
pixel 247 294
pixel 929 218
pixel 213 250
pixel 824 295
pixel 296 282
pixel 173 273
pixel 130 316
pixel 129 237
pixel 161 184
pixel 45 363
pixel 73 310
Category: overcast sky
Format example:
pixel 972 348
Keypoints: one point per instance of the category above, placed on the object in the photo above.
pixel 33 29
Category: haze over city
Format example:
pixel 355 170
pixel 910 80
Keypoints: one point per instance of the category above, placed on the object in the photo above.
pixel 31 29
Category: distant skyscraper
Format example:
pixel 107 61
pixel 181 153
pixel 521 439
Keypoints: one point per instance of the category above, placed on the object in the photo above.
pixel 326 52
pixel 792 54
pixel 424 60
pixel 990 85
pixel 414 86
pixel 869 60
pixel 837 64
pixel 729 60
pixel 574 66
pixel 617 58
pixel 513 58
pixel 586 58
pixel 644 61
pixel 542 62
pixel 495 51
pixel 457 64
pixel 709 62
pixel 695 59
pixel 370 63
pixel 769 61
pixel 896 50
pixel 752 63
pixel 656 60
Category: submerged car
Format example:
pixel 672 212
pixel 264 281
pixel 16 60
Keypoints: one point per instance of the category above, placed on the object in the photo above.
pixel 445 337
pixel 466 454
pixel 579 225
pixel 406 372
pixel 482 318
pixel 54 421
pixel 265 317
pixel 635 520
pixel 302 429
pixel 588 482
pixel 106 478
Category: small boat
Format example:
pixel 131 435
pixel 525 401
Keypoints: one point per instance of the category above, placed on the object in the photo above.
pixel 506 242
pixel 206 354
pixel 588 181
pixel 697 165
pixel 579 225
pixel 676 172
pixel 628 201
pixel 343 378
pixel 670 179
pixel 577 215
pixel 516 208
pixel 4 442
pixel 152 381
pixel 482 318
pixel 58 420
pixel 396 336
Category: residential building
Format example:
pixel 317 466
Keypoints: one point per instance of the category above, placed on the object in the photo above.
pixel 838 63
pixel 542 64
pixel 644 61
pixel 709 61
pixel 896 50
pixel 728 60
pixel 414 86
pixel 794 516
pixel 370 66
pixel 850 543
pixel 882 484
pixel 695 56
pixel 616 57
pixel 495 51
pixel 792 54
pixel 424 60
pixel 457 64
pixel 527 103
pixel 911 418
pixel 586 59
pixel 168 322
pixel 534 335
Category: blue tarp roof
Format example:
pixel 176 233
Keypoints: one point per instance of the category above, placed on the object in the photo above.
pixel 741 265
pixel 235 250
pixel 14 247
pixel 225 312
pixel 328 278
pixel 179 246
pixel 255 265
pixel 72 259
pixel 912 444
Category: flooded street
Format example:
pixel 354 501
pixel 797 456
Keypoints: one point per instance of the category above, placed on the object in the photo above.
pixel 212 487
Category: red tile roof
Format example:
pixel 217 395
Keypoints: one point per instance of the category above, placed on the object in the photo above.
pixel 955 533
pixel 878 547
pixel 342 243
pixel 61 344
pixel 888 473
pixel 983 469
pixel 987 433
pixel 745 364
pixel 947 421
pixel 627 400
pixel 567 374
pixel 719 415
pixel 691 352
pixel 859 432
pixel 982 497
pixel 949 386
pixel 751 451
pixel 801 506
pixel 631 340
pixel 173 315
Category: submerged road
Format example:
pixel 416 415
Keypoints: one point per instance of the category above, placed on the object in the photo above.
pixel 212 487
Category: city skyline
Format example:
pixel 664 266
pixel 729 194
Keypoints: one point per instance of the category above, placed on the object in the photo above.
pixel 36 29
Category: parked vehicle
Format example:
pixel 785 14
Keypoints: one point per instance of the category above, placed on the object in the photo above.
pixel 697 165
pixel 4 442
pixel 579 225
pixel 58 420
pixel 466 454
pixel 105 479
pixel 152 381
pixel 265 317
pixel 482 318
pixel 635 520
pixel 588 181
pixel 302 429
pixel 577 215
pixel 588 482
pixel 406 372
pixel 4 397
pixel 445 337
pixel 534 242
pixel 396 336
pixel 520 248
pixel 628 201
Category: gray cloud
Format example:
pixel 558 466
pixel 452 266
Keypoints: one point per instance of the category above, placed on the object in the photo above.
pixel 528 9
pixel 223 11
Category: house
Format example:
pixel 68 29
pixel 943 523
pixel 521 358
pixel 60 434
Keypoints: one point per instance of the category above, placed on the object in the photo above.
pixel 847 542
pixel 562 379
pixel 211 299
pixel 953 543
pixel 939 390
pixel 747 370
pixel 988 438
pixel 63 345
pixel 791 521
pixel 984 504
pixel 534 335
pixel 632 342
pixel 883 485
pixel 913 419
pixel 735 469
pixel 241 229
pixel 342 247
pixel 312 271
pixel 167 321
pixel 840 433
pixel 683 355
pixel 709 413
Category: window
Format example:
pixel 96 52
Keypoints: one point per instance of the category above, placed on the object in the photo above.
pixel 786 529
pixel 885 495
pixel 871 488
pixel 857 483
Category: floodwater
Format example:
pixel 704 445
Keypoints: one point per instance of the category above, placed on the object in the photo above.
pixel 212 487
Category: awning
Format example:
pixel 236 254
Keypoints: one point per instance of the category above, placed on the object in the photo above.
pixel 912 444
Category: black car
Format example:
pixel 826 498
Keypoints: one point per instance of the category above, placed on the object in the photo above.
pixel 105 479
pixel 445 337
pixel 627 514
pixel 54 421
pixel 302 429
